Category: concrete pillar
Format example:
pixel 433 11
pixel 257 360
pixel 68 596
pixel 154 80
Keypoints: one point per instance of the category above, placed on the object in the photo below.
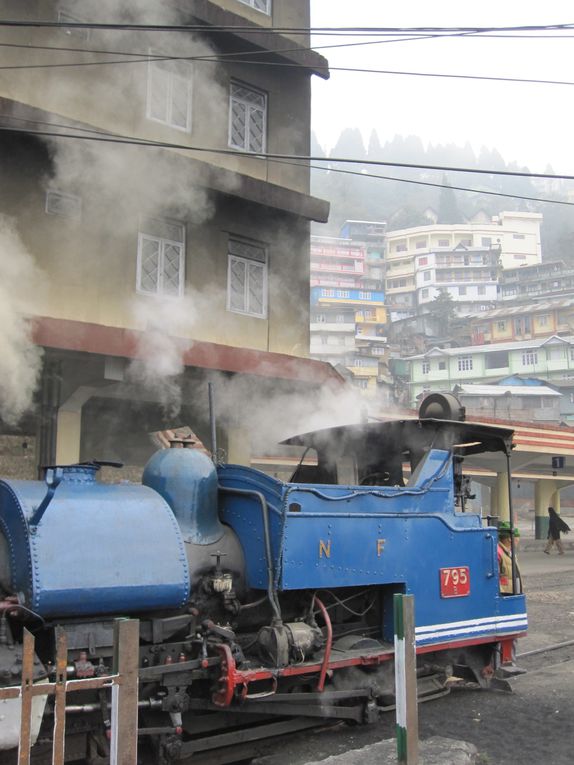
pixel 546 493
pixel 494 499
pixel 238 447
pixel 69 437
pixel 69 432
pixel 502 499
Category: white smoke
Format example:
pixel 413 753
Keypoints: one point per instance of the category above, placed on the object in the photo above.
pixel 20 359
pixel 272 411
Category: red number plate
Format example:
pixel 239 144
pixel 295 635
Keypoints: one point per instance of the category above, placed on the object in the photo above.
pixel 454 582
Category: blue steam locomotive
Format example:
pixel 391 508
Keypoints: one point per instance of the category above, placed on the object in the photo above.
pixel 262 603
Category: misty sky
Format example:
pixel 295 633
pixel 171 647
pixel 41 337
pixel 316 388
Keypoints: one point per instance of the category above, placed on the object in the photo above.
pixel 532 124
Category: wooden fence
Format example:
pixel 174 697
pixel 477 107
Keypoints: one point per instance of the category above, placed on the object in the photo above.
pixel 123 683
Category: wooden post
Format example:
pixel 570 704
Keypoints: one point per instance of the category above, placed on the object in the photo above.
pixel 59 741
pixel 124 741
pixel 26 696
pixel 406 680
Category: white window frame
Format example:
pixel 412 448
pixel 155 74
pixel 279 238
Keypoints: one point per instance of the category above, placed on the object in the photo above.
pixel 249 264
pixel 163 242
pixel 425 367
pixel 255 5
pixel 249 107
pixel 465 363
pixel 63 205
pixel 173 78
pixel 529 358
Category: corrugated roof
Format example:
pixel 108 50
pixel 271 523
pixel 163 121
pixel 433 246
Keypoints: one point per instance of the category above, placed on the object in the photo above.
pixel 514 346
pixel 502 390
pixel 547 305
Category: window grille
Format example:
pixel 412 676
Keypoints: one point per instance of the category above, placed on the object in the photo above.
pixel 247 119
pixel 65 205
pixel 529 358
pixel 247 278
pixel 465 364
pixel 259 5
pixel 169 93
pixel 161 253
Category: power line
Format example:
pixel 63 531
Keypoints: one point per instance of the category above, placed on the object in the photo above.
pixel 112 26
pixel 439 185
pixel 340 171
pixel 132 141
pixel 214 57
pixel 146 58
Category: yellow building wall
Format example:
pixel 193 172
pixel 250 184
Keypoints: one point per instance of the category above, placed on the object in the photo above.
pixel 114 97
pixel 498 334
pixel 88 266
pixel 548 325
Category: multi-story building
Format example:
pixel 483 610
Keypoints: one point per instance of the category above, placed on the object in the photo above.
pixel 468 274
pixel 531 283
pixel 148 268
pixel 347 328
pixel 514 235
pixel 525 321
pixel 337 262
pixel 348 316
pixel 550 359
pixel 371 235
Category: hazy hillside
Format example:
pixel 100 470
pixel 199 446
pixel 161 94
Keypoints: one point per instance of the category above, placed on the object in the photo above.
pixel 356 195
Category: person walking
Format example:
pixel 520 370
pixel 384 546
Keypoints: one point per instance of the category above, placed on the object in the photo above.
pixel 555 526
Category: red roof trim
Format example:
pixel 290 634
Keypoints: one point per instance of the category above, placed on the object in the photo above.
pixel 69 335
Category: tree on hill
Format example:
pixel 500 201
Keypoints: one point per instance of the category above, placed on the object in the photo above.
pixel 448 211
pixel 442 310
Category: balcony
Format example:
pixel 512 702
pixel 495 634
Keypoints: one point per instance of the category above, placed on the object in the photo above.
pixel 333 326
pixel 372 371
pixel 338 268
pixel 336 252
pixel 325 281
pixel 328 350
pixel 372 338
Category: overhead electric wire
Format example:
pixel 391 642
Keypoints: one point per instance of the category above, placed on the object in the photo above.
pixel 146 58
pixel 100 136
pixel 438 185
pixel 358 173
pixel 112 26
pixel 133 141
pixel 214 57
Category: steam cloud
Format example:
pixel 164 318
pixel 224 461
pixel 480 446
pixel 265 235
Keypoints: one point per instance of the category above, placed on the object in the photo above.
pixel 161 349
pixel 270 416
pixel 20 360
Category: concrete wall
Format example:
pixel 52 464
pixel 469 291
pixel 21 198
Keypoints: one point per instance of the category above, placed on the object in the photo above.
pixel 89 263
pixel 114 97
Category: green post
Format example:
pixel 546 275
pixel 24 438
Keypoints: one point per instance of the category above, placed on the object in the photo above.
pixel 407 724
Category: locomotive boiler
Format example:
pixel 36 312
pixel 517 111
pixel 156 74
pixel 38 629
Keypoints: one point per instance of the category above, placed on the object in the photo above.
pixel 260 602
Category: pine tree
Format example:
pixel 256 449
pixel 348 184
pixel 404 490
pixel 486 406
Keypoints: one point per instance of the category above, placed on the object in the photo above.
pixel 448 211
pixel 442 310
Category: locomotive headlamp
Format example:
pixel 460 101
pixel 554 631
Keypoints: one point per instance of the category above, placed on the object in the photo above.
pixel 442 406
